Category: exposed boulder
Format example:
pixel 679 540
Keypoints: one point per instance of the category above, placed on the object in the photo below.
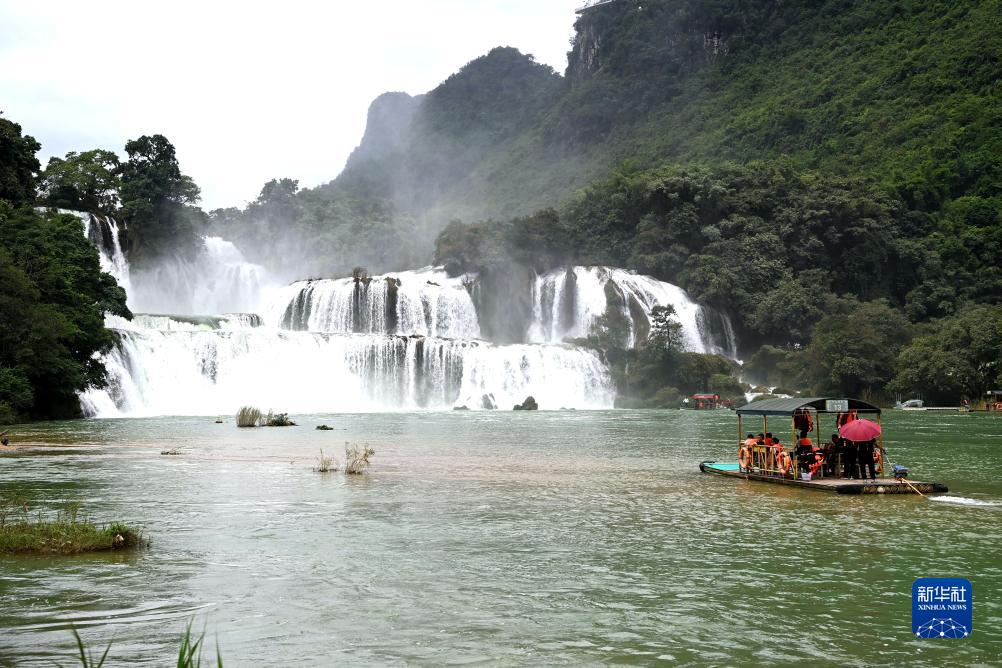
pixel 528 405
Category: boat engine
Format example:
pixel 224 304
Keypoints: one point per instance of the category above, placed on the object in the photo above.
pixel 900 472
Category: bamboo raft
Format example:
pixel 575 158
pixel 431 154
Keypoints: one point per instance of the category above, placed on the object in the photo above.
pixel 773 462
pixel 837 485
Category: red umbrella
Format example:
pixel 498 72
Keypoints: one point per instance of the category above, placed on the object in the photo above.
pixel 860 430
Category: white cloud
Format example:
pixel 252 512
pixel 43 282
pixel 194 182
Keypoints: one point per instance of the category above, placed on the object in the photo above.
pixel 246 91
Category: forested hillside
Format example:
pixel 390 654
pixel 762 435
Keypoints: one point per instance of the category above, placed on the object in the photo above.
pixel 795 163
pixel 904 92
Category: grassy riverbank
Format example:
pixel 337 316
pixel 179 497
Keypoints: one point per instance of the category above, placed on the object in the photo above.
pixel 66 534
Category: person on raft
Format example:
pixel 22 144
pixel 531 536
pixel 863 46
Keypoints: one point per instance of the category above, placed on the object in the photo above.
pixel 750 442
pixel 850 453
pixel 806 455
pixel 866 459
pixel 833 450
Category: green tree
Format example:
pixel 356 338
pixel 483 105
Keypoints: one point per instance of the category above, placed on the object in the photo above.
pixel 53 299
pixel 86 181
pixel 155 195
pixel 789 312
pixel 853 351
pixel 960 357
pixel 666 335
pixel 18 164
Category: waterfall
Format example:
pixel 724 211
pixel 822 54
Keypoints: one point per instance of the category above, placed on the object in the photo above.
pixel 400 341
pixel 426 302
pixel 176 370
pixel 104 233
pixel 569 303
pixel 216 280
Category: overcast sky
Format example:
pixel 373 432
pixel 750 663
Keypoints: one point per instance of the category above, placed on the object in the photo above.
pixel 246 91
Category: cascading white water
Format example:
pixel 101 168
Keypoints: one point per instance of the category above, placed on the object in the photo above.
pixel 173 370
pixel 217 280
pixel 104 233
pixel 177 323
pixel 568 303
pixel 406 340
pixel 426 302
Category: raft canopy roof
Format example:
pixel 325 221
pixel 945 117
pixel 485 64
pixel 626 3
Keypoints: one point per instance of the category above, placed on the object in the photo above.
pixel 789 406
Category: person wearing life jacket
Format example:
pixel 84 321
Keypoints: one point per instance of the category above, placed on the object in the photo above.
pixel 781 457
pixel 805 452
pixel 842 419
pixel 746 455
pixel 769 440
pixel 802 420
pixel 759 451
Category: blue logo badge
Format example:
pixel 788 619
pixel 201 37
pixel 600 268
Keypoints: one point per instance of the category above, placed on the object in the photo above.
pixel 942 608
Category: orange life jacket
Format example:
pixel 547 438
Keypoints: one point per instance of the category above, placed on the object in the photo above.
pixel 842 419
pixel 803 421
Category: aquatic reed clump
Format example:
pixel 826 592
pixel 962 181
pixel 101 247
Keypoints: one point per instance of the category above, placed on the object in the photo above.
pixel 20 533
pixel 357 458
pixel 248 416
pixel 325 464
pixel 278 420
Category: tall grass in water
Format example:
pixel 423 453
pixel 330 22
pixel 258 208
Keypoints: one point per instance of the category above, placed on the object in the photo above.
pixel 248 416
pixel 325 464
pixel 189 655
pixel 86 658
pixel 357 458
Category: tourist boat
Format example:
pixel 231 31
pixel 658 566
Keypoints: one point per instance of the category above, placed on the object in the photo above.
pixel 705 402
pixel 767 463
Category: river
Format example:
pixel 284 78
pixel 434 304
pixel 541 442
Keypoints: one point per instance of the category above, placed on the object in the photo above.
pixel 552 537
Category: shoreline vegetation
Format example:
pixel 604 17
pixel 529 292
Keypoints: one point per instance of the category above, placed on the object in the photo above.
pixel 67 534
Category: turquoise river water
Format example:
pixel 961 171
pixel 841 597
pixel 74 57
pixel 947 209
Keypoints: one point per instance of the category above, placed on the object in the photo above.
pixel 511 538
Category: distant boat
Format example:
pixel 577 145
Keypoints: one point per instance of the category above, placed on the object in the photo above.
pixel 705 402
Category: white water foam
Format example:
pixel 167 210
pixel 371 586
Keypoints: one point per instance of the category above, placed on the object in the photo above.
pixel 966 501
pixel 176 371
pixel 426 302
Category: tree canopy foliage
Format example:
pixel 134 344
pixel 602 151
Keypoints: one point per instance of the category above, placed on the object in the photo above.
pixel 53 299
pixel 87 181
pixel 157 199
pixel 18 164
pixel 53 294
